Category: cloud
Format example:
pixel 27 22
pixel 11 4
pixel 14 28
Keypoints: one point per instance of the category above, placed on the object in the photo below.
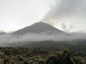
pixel 35 37
pixel 72 12
pixel 66 8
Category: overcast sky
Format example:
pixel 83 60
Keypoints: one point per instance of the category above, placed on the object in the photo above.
pixel 16 14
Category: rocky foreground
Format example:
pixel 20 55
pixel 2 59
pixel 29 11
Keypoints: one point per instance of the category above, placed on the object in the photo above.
pixel 10 55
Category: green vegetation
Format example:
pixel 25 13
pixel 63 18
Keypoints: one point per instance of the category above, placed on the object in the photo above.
pixel 19 55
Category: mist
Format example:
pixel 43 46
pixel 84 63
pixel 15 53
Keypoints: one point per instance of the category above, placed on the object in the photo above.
pixel 36 37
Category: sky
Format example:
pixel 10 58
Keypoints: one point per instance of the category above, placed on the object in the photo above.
pixel 17 14
pixel 67 15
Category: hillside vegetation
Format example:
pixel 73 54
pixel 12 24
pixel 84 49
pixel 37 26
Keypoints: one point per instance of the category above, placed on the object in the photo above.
pixel 19 55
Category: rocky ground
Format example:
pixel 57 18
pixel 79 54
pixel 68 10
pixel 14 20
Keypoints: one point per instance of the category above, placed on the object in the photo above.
pixel 10 55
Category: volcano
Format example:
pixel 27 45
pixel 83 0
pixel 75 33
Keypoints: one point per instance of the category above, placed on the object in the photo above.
pixel 39 27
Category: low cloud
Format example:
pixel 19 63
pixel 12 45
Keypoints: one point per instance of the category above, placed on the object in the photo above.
pixel 34 37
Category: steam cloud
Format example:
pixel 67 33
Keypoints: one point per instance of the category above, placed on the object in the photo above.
pixel 66 8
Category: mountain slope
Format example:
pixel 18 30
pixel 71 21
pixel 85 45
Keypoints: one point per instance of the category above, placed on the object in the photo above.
pixel 37 28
